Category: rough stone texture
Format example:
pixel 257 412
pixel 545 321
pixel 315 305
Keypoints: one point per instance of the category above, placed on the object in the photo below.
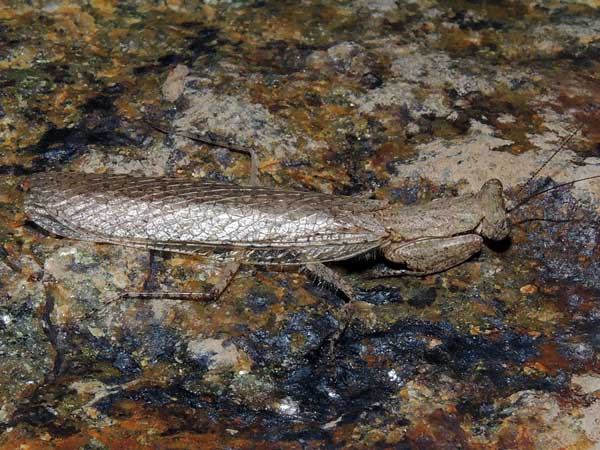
pixel 402 100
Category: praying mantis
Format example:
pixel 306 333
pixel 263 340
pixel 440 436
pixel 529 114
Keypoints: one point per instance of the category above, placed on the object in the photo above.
pixel 271 226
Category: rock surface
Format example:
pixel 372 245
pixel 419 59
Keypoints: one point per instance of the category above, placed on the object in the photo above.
pixel 406 101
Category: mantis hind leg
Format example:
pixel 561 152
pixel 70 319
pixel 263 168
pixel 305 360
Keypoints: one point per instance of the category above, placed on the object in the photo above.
pixel 215 141
pixel 431 255
pixel 226 275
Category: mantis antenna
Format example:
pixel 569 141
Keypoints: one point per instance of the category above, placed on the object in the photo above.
pixel 556 152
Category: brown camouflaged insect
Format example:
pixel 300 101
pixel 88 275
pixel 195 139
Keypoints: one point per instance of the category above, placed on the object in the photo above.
pixel 260 225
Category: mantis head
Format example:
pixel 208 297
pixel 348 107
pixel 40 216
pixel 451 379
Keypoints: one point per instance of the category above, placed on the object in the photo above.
pixel 494 225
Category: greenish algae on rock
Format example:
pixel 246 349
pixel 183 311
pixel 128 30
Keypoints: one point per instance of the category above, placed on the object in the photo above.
pixel 406 101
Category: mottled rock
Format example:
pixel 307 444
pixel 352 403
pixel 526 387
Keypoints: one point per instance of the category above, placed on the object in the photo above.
pixel 405 101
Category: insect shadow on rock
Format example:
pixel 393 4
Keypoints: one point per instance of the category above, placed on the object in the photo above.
pixel 269 226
